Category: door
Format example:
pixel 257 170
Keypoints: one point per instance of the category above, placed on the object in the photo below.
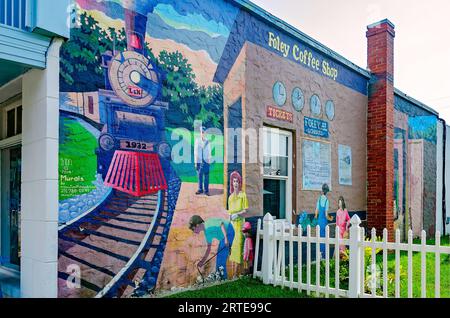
pixel 416 186
pixel 11 161
pixel 278 173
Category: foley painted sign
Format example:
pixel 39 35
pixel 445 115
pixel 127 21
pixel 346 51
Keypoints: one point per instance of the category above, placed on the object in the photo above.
pixel 249 28
pixel 316 128
pixel 303 56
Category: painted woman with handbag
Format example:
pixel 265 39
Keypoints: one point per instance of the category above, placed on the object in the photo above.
pixel 237 208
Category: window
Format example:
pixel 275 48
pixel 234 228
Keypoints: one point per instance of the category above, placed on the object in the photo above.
pixel 276 153
pixel 19 120
pixel 275 198
pixel 277 168
pixel 12 121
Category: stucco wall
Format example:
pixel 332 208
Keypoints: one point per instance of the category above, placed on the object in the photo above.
pixel 418 125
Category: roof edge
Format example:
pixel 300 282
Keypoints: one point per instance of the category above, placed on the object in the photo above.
pixel 255 9
pixel 415 102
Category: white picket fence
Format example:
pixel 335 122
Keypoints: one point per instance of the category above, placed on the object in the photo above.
pixel 275 235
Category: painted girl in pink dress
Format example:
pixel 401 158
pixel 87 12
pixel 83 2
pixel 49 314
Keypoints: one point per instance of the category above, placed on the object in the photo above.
pixel 342 221
pixel 248 247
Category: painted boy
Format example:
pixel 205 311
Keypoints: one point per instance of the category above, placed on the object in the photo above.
pixel 214 229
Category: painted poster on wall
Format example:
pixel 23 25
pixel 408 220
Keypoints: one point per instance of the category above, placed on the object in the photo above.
pixel 316 165
pixel 345 165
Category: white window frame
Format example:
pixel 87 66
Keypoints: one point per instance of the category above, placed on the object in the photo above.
pixel 16 139
pixel 289 178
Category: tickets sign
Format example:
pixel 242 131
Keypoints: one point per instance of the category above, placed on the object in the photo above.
pixel 279 114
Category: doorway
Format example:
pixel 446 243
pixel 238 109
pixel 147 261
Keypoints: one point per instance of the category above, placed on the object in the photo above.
pixel 11 166
pixel 10 186
pixel 416 187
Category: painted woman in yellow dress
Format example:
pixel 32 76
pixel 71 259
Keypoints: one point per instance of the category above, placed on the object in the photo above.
pixel 237 206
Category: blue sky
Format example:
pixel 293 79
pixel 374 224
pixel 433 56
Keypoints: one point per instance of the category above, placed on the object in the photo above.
pixel 422 46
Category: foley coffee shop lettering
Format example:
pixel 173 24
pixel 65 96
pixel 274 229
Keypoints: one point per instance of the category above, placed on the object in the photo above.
pixel 302 56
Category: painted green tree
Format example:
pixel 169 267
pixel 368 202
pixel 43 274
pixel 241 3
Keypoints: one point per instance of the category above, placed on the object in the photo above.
pixel 191 102
pixel 81 57
pixel 82 71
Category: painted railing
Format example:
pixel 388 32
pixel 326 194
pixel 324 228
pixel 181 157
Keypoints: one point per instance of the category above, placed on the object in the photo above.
pixel 14 13
pixel 280 242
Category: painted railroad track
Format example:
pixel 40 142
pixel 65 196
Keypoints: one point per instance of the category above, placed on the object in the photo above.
pixel 115 245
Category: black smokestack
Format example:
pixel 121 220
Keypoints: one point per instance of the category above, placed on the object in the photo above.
pixel 135 28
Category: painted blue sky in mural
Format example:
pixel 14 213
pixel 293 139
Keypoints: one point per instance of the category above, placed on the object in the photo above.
pixel 195 40
pixel 190 21
pixel 423 127
pixel 198 24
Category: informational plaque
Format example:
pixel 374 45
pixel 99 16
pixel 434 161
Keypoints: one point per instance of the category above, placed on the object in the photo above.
pixel 316 165
pixel 316 128
pixel 345 165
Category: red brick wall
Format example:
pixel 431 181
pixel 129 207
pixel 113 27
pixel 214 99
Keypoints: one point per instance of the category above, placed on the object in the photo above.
pixel 380 128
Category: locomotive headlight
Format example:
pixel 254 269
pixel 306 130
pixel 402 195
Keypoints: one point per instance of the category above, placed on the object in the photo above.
pixel 107 142
pixel 164 150
pixel 135 77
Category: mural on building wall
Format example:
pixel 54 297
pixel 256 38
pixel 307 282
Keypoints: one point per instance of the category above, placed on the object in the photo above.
pixel 415 167
pixel 144 202
pixel 132 220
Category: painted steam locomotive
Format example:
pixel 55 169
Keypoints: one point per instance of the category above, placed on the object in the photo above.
pixel 132 143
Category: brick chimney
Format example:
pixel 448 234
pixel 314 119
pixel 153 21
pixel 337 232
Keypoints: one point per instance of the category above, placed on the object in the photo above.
pixel 380 127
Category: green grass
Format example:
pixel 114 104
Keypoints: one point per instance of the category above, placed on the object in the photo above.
pixel 246 287
pixel 186 171
pixel 250 288
pixel 77 159
pixel 417 265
